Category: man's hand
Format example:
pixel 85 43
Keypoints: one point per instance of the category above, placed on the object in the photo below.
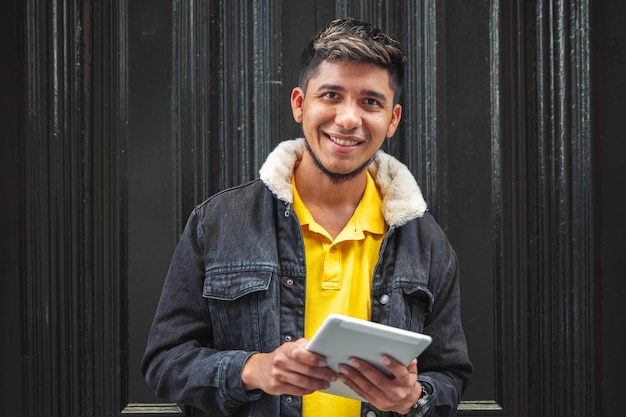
pixel 290 369
pixel 397 393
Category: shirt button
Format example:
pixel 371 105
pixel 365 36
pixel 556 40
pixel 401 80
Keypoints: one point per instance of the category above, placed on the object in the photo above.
pixel 370 414
pixel 333 249
pixel 288 338
pixel 384 299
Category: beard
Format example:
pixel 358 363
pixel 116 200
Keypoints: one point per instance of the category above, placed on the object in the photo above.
pixel 335 177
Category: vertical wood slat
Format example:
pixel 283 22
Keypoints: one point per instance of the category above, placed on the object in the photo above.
pixel 546 266
pixel 422 144
pixel 567 288
pixel 227 94
pixel 504 371
pixel 52 178
pixel 73 268
pixel 510 203
pixel 11 164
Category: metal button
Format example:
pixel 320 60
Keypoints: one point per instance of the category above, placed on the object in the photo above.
pixel 288 338
pixel 370 414
pixel 289 398
pixel 384 299
pixel 289 281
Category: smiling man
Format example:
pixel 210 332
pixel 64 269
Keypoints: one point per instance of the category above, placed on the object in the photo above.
pixel 333 225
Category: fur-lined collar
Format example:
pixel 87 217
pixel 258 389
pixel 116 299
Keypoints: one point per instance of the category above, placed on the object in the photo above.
pixel 402 198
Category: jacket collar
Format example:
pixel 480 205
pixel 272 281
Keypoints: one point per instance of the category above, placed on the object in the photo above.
pixel 402 198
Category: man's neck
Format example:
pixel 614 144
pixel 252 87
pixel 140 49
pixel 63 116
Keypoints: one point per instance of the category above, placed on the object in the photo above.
pixel 331 204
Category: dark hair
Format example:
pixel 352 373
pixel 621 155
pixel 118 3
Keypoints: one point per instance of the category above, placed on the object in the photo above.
pixel 352 40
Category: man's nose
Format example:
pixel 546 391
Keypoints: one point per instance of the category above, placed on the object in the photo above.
pixel 348 116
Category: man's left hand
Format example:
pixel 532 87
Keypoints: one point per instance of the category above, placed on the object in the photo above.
pixel 397 393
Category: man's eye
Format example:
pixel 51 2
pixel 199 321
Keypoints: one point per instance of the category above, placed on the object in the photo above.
pixel 330 94
pixel 371 101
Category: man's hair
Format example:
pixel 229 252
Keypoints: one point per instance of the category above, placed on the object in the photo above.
pixel 352 40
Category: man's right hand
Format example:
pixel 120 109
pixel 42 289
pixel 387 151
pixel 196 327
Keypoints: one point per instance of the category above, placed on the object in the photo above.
pixel 290 369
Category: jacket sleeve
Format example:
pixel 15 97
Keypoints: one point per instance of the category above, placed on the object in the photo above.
pixel 179 363
pixel 419 269
pixel 445 365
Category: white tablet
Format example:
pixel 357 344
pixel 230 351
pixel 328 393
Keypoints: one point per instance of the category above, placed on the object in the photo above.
pixel 341 337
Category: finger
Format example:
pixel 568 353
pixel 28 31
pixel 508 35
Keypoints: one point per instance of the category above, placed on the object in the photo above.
pixel 398 370
pixel 302 384
pixel 302 354
pixel 369 372
pixel 382 391
pixel 303 368
pixel 358 382
pixel 283 375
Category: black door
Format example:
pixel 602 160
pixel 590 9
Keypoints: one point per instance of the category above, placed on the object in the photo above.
pixel 121 116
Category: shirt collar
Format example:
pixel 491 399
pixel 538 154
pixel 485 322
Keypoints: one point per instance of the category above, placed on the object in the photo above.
pixel 366 218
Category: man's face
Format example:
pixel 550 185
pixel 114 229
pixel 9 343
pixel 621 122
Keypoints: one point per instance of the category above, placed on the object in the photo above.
pixel 346 114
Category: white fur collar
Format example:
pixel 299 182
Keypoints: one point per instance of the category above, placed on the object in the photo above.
pixel 402 198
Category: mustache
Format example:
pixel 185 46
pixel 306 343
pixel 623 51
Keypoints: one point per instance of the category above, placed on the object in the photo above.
pixel 336 177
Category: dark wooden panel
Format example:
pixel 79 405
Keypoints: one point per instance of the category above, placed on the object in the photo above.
pixel 610 201
pixel 468 186
pixel 11 388
pixel 53 212
pixel 228 93
pixel 151 234
pixel 73 232
pixel 547 310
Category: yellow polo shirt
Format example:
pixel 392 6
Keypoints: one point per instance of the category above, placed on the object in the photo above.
pixel 339 279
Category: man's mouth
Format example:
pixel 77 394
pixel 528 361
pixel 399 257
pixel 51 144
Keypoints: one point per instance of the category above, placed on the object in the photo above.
pixel 343 142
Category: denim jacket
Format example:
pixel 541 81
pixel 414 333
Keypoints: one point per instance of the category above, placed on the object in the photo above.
pixel 236 286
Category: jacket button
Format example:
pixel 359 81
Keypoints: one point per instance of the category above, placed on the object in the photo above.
pixel 288 338
pixel 289 398
pixel 384 299
pixel 370 414
pixel 289 281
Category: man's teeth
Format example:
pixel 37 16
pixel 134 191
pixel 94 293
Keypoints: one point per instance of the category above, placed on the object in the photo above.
pixel 343 142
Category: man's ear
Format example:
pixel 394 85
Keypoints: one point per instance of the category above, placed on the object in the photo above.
pixel 396 115
pixel 297 100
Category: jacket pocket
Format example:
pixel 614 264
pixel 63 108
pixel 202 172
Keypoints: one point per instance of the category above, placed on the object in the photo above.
pixel 241 303
pixel 419 294
pixel 229 285
pixel 405 305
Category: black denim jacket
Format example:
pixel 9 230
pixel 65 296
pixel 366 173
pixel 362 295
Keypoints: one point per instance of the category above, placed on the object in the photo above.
pixel 236 286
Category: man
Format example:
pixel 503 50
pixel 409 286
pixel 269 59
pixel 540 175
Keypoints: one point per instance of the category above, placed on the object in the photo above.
pixel 333 225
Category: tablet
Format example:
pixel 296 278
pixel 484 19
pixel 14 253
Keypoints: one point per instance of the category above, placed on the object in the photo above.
pixel 341 337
